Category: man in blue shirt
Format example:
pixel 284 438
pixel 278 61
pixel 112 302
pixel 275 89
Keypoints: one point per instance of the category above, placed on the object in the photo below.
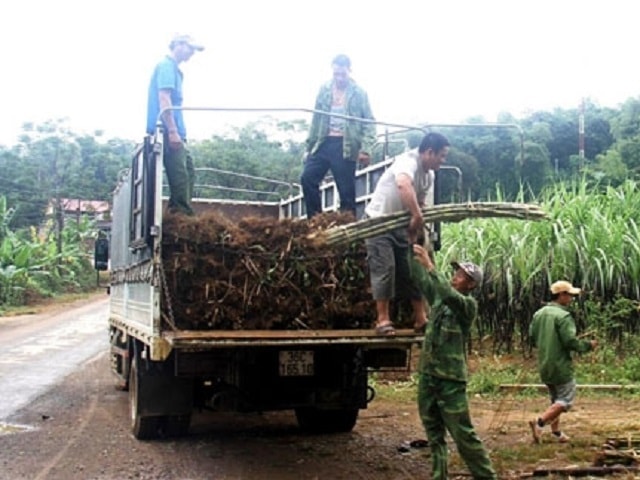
pixel 165 91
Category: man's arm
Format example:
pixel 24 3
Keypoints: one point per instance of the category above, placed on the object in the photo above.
pixel 164 96
pixel 533 331
pixel 464 306
pixel 314 129
pixel 420 269
pixel 410 202
pixel 567 333
pixel 368 131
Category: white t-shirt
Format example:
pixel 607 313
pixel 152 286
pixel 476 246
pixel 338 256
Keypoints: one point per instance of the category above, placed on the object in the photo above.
pixel 386 196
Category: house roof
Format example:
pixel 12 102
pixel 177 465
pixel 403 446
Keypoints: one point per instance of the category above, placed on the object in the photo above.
pixel 84 206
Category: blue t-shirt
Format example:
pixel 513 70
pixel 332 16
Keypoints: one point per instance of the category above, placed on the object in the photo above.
pixel 166 76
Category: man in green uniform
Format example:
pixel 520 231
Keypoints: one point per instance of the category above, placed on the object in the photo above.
pixel 442 384
pixel 553 332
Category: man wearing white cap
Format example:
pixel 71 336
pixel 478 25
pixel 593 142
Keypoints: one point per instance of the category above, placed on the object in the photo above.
pixel 165 91
pixel 553 333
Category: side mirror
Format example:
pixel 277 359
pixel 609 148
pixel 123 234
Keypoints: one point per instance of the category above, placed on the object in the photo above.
pixel 101 254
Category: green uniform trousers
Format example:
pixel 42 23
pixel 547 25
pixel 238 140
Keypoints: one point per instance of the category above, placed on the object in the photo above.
pixel 178 165
pixel 443 406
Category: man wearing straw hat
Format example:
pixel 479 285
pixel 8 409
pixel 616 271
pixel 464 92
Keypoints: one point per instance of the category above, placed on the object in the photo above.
pixel 553 332
pixel 442 380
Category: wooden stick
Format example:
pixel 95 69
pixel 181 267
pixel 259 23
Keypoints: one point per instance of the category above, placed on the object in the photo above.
pixel 522 386
pixel 583 471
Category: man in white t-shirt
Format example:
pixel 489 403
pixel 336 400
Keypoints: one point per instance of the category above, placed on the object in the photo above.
pixel 403 186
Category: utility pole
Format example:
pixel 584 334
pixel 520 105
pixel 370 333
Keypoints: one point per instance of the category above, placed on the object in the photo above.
pixel 581 133
pixel 59 215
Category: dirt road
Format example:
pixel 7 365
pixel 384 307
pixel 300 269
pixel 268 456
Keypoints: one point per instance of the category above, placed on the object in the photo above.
pixel 78 428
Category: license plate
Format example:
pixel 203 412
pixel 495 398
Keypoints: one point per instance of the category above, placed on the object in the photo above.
pixel 296 363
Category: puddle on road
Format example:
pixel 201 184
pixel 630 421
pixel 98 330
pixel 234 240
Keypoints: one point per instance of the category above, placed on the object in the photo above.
pixel 8 428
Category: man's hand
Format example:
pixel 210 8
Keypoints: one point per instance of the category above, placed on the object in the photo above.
pixel 423 257
pixel 175 142
pixel 416 226
pixel 364 159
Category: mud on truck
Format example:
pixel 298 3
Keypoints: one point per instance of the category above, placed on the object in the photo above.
pixel 176 342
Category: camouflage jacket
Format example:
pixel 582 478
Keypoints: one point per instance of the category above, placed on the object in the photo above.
pixel 452 313
pixel 358 136
pixel 553 332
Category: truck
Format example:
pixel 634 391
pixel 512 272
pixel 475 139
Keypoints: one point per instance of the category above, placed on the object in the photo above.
pixel 170 371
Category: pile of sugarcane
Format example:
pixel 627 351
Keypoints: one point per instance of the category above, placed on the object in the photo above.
pixel 450 212
pixel 262 274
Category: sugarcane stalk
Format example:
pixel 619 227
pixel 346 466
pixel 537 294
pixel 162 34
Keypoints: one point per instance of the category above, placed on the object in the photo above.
pixel 450 212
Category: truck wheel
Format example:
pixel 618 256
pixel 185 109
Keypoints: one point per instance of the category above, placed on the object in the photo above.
pixel 317 420
pixel 143 428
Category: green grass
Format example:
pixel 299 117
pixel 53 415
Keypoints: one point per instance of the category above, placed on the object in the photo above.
pixel 48 303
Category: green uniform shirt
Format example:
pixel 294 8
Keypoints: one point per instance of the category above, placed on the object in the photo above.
pixel 358 136
pixel 553 333
pixel 452 313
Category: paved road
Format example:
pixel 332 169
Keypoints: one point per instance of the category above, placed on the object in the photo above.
pixel 37 351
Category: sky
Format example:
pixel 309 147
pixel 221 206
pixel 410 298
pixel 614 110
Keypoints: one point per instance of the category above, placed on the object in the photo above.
pixel 419 60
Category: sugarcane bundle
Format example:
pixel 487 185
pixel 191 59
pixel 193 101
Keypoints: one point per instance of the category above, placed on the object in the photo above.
pixel 449 212
pixel 262 274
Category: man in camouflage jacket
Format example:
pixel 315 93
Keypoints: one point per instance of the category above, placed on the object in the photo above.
pixel 442 384
pixel 335 143
pixel 553 332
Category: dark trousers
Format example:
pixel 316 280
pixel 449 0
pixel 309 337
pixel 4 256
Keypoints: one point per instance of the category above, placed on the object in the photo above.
pixel 329 157
pixel 178 166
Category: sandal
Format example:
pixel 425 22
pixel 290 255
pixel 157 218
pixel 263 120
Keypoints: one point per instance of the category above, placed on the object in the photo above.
pixel 385 329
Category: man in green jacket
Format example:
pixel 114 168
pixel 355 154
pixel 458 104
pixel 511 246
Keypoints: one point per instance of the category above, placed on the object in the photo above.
pixel 442 383
pixel 553 332
pixel 335 143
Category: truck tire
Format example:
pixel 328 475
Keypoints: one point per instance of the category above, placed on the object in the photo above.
pixel 316 420
pixel 142 427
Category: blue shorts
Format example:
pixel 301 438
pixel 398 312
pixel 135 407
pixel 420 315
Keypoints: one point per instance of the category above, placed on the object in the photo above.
pixel 563 394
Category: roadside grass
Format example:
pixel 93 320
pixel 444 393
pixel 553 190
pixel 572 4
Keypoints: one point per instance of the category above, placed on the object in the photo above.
pixel 45 304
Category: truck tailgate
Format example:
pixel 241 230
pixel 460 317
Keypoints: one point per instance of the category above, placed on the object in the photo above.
pixel 198 339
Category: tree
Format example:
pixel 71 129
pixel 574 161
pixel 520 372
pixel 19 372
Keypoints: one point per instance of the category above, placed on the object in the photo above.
pixel 264 149
pixel 52 162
